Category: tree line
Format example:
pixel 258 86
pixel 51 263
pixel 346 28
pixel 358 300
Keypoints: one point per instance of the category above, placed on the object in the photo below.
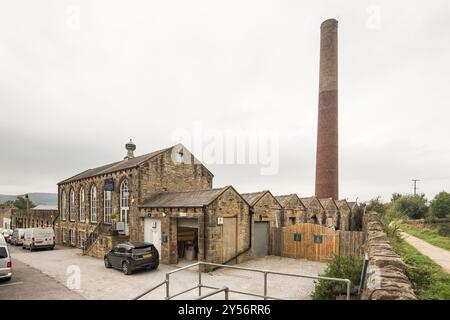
pixel 413 206
pixel 21 202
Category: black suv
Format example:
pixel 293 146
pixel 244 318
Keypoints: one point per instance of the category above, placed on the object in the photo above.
pixel 132 256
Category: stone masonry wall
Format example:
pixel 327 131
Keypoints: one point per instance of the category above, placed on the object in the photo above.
pixel 386 279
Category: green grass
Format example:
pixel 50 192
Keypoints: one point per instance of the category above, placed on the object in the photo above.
pixel 429 236
pixel 430 281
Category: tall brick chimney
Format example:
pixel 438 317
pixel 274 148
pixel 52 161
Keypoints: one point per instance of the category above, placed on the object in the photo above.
pixel 327 175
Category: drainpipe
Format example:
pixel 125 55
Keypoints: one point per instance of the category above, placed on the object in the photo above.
pixel 205 219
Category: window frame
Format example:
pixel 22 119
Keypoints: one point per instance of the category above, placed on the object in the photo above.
pixel 72 237
pixel 72 213
pixel 107 207
pixel 94 204
pixel 63 205
pixel 82 204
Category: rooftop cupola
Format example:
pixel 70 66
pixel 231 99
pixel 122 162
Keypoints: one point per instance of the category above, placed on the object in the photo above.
pixel 130 146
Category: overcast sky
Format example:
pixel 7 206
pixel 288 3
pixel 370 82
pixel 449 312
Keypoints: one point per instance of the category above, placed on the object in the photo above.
pixel 79 78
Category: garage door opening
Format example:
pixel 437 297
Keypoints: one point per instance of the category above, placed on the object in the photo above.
pixel 187 239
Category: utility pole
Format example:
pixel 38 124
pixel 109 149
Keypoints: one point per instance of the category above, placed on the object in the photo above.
pixel 415 185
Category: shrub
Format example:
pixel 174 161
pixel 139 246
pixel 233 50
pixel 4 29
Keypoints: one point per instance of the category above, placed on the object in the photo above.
pixel 376 205
pixel 415 207
pixel 440 205
pixel 339 267
pixel 444 230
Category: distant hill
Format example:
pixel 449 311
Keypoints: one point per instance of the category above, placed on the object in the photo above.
pixel 36 197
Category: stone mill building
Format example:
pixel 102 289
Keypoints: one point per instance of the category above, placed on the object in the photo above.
pixel 164 197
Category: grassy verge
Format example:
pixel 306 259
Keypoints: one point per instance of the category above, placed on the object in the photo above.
pixel 428 235
pixel 429 281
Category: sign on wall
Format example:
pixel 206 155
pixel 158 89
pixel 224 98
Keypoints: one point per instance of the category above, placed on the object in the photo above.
pixel 318 239
pixel 219 221
pixel 109 185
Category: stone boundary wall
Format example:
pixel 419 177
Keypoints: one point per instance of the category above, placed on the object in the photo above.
pixel 386 279
pixel 424 223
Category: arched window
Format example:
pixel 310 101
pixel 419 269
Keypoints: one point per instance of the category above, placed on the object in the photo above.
pixel 63 206
pixel 107 206
pixel 125 204
pixel 72 205
pixel 94 204
pixel 124 194
pixel 82 205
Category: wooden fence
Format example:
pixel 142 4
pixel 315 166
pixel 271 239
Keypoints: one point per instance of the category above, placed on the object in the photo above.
pixel 315 242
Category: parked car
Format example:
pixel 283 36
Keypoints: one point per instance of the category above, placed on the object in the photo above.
pixel 5 260
pixel 17 236
pixel 129 257
pixel 39 238
pixel 7 234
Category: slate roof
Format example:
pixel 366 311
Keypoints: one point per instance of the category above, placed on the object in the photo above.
pixel 341 202
pixel 283 200
pixel 307 201
pixel 254 197
pixel 189 199
pixel 325 201
pixel 118 166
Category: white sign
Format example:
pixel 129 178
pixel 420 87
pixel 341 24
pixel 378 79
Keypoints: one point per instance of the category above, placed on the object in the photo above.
pixel 120 226
pixel 182 214
pixel 220 221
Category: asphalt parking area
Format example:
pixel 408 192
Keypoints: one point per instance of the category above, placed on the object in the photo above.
pixel 28 283
pixel 97 282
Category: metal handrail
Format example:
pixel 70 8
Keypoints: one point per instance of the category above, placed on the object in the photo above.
pixel 264 272
pixel 224 289
pixel 150 290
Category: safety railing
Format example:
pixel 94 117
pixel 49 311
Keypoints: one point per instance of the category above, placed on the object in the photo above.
pixel 265 273
pixel 226 290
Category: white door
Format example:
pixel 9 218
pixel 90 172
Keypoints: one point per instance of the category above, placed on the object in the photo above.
pixel 152 232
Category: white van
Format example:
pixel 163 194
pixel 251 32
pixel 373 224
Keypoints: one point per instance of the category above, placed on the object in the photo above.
pixel 5 260
pixel 17 237
pixel 39 238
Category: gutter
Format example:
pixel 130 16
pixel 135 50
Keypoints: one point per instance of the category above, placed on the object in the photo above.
pixel 205 218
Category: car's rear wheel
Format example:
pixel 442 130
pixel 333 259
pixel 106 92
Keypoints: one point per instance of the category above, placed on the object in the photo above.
pixel 107 263
pixel 126 268
pixel 7 279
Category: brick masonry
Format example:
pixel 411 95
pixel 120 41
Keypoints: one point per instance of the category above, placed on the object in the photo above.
pixel 327 184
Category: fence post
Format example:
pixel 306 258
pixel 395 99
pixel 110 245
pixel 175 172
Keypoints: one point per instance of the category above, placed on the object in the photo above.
pixel 199 282
pixel 265 285
pixel 167 286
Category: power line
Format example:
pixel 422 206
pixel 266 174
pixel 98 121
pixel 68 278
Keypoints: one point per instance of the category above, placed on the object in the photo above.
pixel 415 185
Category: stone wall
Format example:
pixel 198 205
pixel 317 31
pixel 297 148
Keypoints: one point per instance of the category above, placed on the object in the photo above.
pixel 158 174
pixel 386 279
pixel 228 205
pixel 104 244
pixel 267 209
pixel 293 211
pixel 32 218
